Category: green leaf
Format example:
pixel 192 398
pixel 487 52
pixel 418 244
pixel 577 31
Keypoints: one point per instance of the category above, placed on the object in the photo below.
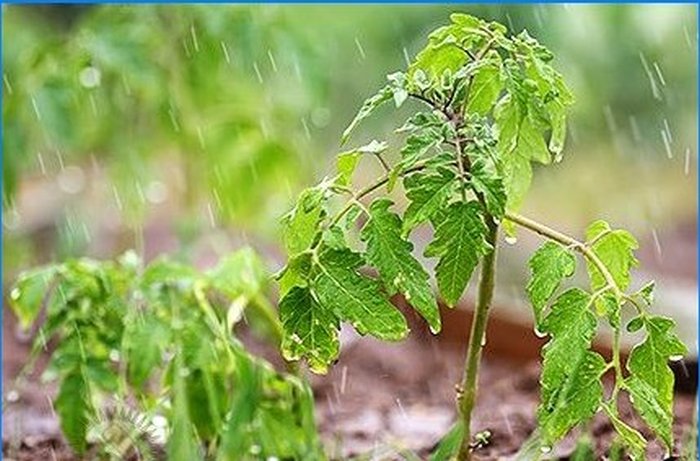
pixel 647 401
pixel 551 264
pixel 459 242
pixel 648 364
pixel 391 254
pixel 295 273
pixel 647 293
pixel 301 224
pixel 416 147
pixel 368 107
pixel 575 400
pixel 633 441
pixel 346 164
pixel 615 249
pixel 355 298
pixel 27 295
pixel 310 330
pixel 182 444
pixel 570 380
pixel 145 341
pixel 486 85
pixel 73 406
pixel 449 445
pixel 428 194
pixel 241 273
pixel 487 182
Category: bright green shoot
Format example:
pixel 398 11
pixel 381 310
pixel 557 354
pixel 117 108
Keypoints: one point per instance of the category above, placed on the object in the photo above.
pixel 493 105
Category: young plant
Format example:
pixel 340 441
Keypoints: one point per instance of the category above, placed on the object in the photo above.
pixel 492 105
pixel 157 342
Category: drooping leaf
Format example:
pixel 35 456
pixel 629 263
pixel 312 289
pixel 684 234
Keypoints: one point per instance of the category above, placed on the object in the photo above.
pixel 570 380
pixel 301 224
pixel 486 85
pixel 391 254
pixel 28 293
pixel 651 375
pixel 551 264
pixel 356 298
pixel 310 330
pixel 73 407
pixel 487 182
pixel 428 193
pixel 459 242
pixel 368 107
pixel 632 440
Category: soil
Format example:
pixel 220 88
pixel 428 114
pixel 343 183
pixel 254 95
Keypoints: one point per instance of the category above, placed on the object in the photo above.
pixel 380 399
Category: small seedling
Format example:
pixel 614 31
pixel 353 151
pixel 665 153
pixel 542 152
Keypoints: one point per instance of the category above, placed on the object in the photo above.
pixel 160 339
pixel 492 105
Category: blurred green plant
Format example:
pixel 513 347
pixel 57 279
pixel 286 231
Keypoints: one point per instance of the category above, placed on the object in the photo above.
pixel 139 86
pixel 161 339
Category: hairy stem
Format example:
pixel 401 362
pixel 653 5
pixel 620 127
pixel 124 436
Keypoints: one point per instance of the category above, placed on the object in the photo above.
pixel 467 392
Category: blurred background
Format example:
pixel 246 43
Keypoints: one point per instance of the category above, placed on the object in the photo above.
pixel 190 129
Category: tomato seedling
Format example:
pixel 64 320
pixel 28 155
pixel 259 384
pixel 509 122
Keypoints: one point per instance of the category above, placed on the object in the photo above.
pixel 492 105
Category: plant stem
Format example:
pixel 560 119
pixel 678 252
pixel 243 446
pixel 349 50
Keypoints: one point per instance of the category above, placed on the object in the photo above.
pixel 467 392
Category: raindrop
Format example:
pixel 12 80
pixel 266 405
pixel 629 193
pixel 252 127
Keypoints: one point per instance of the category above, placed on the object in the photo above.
pixel 634 126
pixel 359 48
pixel 510 22
pixel 686 34
pixel 212 218
pixel 117 198
pixel 71 180
pixel 667 128
pixel 610 118
pixel 257 72
pixel 483 340
pixel 510 240
pixel 306 128
pixel 42 166
pixel 12 396
pixel 224 48
pixel 539 333
pixel 7 84
pixel 195 42
pixel 272 61
pixel 660 75
pixel 675 358
pixel 200 137
pixel 545 449
pixel 406 57
pixel 255 449
pixel 657 243
pixel 654 87
pixel 114 355
pixel 667 143
pixel 686 166
pixel 90 77
pixel 343 379
pixel 36 109
pixel 401 409
pixel 184 372
pixel 15 294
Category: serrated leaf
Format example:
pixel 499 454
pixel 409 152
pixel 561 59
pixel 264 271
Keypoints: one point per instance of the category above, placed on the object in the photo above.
pixel 416 147
pixel 647 402
pixel 459 242
pixel 633 441
pixel 310 330
pixel 488 183
pixel 301 224
pixel 428 193
pixel 615 249
pixel 355 298
pixel 391 254
pixel 346 164
pixel 28 293
pixel 576 399
pixel 295 273
pixel 486 85
pixel 570 380
pixel 72 405
pixel 648 363
pixel 551 264
pixel 368 107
